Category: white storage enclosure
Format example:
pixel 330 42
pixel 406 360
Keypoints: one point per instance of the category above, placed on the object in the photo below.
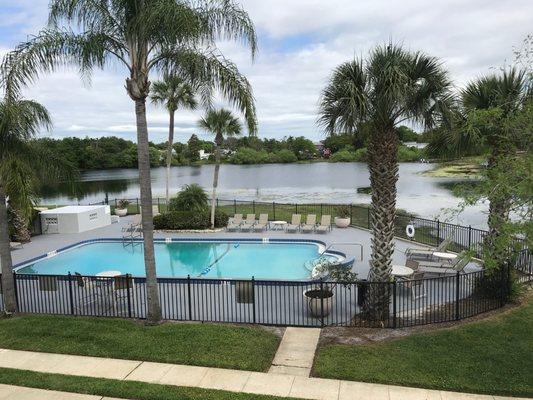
pixel 75 219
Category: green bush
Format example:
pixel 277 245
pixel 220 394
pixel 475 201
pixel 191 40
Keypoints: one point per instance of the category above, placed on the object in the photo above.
pixel 247 155
pixel 286 156
pixel 179 220
pixel 190 198
pixel 406 154
pixel 344 155
pixel 360 154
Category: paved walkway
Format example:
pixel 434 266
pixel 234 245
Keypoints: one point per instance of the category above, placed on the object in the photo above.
pixel 215 378
pixel 296 352
pixel 8 392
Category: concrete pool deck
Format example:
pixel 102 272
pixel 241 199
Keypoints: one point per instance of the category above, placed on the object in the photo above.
pixel 43 244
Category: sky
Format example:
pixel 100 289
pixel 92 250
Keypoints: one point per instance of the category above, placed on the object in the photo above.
pixel 300 42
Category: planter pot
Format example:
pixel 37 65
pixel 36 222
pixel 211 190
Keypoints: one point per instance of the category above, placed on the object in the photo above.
pixel 319 302
pixel 342 222
pixel 121 212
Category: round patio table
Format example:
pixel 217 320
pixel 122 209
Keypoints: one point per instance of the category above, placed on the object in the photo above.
pixel 401 270
pixel 278 225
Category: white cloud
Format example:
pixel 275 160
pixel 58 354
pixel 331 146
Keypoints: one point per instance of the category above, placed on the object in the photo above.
pixel 301 41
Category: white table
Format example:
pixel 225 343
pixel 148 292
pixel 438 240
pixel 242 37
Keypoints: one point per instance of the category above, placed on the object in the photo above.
pixel 401 270
pixel 278 225
pixel 446 256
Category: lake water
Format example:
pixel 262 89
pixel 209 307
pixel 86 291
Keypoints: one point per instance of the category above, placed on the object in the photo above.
pixel 316 182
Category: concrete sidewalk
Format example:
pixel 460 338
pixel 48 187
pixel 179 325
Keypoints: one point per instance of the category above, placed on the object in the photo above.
pixel 296 352
pixel 8 392
pixel 215 378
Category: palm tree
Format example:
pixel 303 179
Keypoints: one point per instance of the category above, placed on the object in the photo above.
pixel 221 123
pixel 484 107
pixel 143 37
pixel 172 92
pixel 22 167
pixel 392 86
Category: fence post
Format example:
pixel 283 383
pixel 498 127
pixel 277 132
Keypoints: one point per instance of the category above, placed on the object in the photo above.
pixel 158 205
pixel 368 216
pixel 438 231
pixel 253 299
pixel 469 236
pixel 16 290
pixel 321 302
pixel 128 277
pixel 296 208
pixel 394 310
pixel 138 208
pixel 253 206
pixel 70 296
pixel 234 206
pixel 321 209
pixel 457 282
pixel 217 202
pixel 274 209
pixel 189 296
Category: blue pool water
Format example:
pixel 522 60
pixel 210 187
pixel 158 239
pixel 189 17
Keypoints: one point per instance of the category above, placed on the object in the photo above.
pixel 282 261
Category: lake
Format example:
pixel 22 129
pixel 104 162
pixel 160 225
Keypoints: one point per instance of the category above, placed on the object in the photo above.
pixel 324 182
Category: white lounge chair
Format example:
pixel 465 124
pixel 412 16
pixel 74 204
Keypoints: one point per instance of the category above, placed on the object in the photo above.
pixel 262 224
pixel 15 245
pixel 444 268
pixel 248 223
pixel 325 224
pixel 310 224
pixel 428 253
pixel 235 223
pixel 295 223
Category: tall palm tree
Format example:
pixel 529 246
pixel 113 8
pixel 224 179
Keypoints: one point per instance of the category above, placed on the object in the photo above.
pixel 172 92
pixel 484 107
pixel 222 123
pixel 143 37
pixel 22 167
pixel 392 86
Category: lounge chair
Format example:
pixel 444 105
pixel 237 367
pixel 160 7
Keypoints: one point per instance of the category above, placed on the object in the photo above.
pixel 428 253
pixel 235 223
pixel 133 229
pixel 433 267
pixel 415 284
pixel 295 223
pixel 325 224
pixel 15 245
pixel 310 224
pixel 248 223
pixel 262 224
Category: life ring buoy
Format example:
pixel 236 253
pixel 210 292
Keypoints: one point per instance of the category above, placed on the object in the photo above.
pixel 410 230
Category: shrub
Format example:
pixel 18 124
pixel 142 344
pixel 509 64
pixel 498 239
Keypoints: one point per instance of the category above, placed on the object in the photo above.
pixel 344 211
pixel 286 156
pixel 179 220
pixel 190 198
pixel 123 204
pixel 344 155
pixel 360 154
pixel 247 155
pixel 407 154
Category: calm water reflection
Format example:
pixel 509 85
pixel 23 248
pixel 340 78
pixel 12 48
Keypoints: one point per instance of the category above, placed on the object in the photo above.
pixel 319 182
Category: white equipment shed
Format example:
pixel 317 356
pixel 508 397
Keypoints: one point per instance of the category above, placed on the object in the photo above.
pixel 75 219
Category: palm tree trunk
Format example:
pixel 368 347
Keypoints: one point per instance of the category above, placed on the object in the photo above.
pixel 152 292
pixel 8 283
pixel 383 166
pixel 218 143
pixel 169 153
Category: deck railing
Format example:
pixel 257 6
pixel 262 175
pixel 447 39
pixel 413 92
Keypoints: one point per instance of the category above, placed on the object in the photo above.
pixel 413 302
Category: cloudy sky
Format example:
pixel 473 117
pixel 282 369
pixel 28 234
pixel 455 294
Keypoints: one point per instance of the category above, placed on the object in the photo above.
pixel 300 41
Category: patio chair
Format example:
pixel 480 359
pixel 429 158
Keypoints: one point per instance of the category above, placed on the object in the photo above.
pixel 235 223
pixel 325 224
pixel 86 289
pixel 433 267
pixel 15 245
pixel 133 229
pixel 262 224
pixel 248 223
pixel 416 286
pixel 295 223
pixel 123 286
pixel 428 253
pixel 310 224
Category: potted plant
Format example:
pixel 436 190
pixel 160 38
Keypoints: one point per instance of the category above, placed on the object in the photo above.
pixel 122 208
pixel 342 220
pixel 320 298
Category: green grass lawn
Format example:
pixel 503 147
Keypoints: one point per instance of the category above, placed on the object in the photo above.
pixel 223 346
pixel 115 388
pixel 493 356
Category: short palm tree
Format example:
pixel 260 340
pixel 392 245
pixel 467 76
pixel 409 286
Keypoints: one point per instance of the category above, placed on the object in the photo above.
pixel 223 124
pixel 484 107
pixel 172 92
pixel 143 37
pixel 392 86
pixel 22 167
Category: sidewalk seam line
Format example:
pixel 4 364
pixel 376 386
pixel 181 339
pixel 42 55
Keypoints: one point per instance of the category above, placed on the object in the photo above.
pixel 134 369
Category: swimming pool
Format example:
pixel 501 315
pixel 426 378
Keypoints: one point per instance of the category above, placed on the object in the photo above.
pixel 277 260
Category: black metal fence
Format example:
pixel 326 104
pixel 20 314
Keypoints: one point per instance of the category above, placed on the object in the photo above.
pixel 413 302
pixel 427 231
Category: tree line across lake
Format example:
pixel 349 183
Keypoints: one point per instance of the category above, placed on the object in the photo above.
pixel 114 152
